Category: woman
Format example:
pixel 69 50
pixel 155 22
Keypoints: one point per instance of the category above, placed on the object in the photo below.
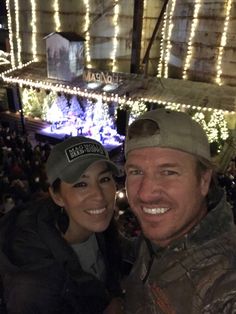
pixel 61 254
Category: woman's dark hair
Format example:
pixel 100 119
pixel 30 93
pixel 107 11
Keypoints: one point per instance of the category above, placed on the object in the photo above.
pixel 56 185
pixel 62 218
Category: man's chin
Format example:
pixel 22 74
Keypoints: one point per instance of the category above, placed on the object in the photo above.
pixel 151 233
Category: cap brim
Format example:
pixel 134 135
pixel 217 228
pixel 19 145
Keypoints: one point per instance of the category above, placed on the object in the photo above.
pixel 72 173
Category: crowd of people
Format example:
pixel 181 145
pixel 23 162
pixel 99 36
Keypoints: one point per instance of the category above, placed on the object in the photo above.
pixel 22 171
pixel 228 181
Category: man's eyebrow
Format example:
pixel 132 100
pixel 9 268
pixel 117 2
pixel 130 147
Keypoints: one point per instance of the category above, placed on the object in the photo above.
pixel 129 165
pixel 169 164
pixel 164 165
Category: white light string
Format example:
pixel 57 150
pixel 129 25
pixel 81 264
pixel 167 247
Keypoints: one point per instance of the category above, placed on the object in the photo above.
pixel 197 6
pixel 223 42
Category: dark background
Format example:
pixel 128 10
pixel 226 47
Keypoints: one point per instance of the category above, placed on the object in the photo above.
pixel 2 7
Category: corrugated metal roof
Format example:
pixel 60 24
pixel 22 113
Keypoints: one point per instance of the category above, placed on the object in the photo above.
pixel 188 92
pixel 71 36
pixel 150 88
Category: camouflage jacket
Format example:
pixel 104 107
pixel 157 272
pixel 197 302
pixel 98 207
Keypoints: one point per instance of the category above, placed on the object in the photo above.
pixel 195 275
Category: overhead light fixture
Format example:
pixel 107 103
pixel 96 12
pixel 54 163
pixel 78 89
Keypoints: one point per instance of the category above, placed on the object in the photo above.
pixel 93 85
pixel 109 87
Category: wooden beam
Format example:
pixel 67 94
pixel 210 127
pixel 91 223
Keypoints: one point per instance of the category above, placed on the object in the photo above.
pixel 146 56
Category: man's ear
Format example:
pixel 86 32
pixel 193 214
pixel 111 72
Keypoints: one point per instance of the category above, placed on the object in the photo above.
pixel 56 197
pixel 205 181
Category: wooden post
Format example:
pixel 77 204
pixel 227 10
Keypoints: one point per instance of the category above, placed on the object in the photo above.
pixel 22 118
pixel 137 36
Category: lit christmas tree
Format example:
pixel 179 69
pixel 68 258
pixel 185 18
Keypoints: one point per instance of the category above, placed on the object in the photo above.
pixel 217 129
pixel 75 107
pixel 48 100
pixel 54 113
pixel 135 108
pixel 32 102
pixel 62 104
pixel 200 118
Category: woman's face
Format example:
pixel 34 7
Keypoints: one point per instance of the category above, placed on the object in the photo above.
pixel 89 203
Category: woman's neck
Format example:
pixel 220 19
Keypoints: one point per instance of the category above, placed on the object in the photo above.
pixel 76 234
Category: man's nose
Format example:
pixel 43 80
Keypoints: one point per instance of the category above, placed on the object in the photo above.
pixel 149 188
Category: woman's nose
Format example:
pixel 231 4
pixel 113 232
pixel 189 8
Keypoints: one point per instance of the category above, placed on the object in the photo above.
pixel 97 192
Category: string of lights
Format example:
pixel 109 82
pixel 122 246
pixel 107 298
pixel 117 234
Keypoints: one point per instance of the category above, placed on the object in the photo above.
pixel 116 32
pixel 162 48
pixel 177 106
pixel 223 42
pixel 57 16
pixel 18 39
pixel 9 19
pixel 197 6
pixel 87 34
pixel 7 77
pixel 4 57
pixel 34 29
pixel 168 44
pixel 121 100
pixel 144 25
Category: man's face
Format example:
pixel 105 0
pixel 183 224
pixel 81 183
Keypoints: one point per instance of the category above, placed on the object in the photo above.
pixel 165 192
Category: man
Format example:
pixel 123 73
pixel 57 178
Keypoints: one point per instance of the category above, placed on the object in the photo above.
pixel 186 260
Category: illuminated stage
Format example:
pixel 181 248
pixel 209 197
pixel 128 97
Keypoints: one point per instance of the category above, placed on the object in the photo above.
pixel 73 117
pixel 113 144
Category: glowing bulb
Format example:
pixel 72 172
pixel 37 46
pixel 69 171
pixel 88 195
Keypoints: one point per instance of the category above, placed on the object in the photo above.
pixel 56 16
pixel 87 34
pixel 144 24
pixel 13 63
pixel 116 32
pixel 169 33
pixel 197 6
pixel 223 43
pixel 162 50
pixel 18 39
pixel 34 29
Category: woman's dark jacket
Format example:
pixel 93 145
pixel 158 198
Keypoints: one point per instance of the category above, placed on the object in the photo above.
pixel 41 273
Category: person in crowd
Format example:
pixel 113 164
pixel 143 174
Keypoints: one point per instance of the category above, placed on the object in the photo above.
pixel 186 259
pixel 227 181
pixel 60 254
pixel 7 204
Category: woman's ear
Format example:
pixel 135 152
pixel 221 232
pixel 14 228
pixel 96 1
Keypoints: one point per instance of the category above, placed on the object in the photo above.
pixel 56 197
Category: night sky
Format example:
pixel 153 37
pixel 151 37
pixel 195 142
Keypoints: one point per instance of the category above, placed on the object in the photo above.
pixel 2 7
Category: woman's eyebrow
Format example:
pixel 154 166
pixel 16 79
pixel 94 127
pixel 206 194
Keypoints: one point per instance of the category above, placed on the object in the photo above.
pixel 105 171
pixel 101 172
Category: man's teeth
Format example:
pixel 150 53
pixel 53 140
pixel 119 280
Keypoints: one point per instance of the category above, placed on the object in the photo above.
pixel 155 211
pixel 96 211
